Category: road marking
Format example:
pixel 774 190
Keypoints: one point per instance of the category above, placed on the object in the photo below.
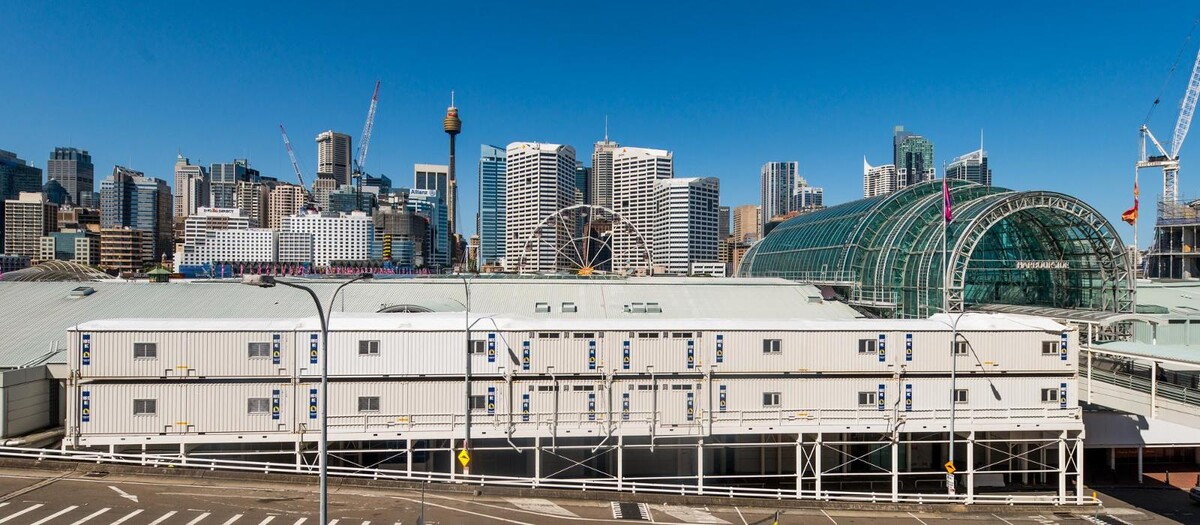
pixel 124 494
pixel 233 519
pixel 269 518
pixel 127 516
pixel 198 518
pixel 690 515
pixel 163 518
pixel 828 516
pixel 334 522
pixel 464 511
pixel 3 504
pixel 914 516
pixel 1002 519
pixel 299 521
pixel 739 511
pixel 30 509
pixel 541 506
pixel 55 515
pixel 92 515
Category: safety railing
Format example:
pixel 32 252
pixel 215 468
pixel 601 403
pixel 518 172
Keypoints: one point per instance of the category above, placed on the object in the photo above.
pixel 1163 390
pixel 612 484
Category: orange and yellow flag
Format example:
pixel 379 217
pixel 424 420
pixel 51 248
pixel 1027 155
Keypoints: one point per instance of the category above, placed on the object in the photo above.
pixel 1131 215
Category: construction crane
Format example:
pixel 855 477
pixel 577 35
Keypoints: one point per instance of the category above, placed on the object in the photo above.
pixel 292 155
pixel 363 143
pixel 1169 161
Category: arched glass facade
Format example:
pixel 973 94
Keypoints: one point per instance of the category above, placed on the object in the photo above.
pixel 888 253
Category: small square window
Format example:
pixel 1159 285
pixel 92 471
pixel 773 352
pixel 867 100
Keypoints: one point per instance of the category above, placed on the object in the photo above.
pixel 258 405
pixel 961 348
pixel 867 398
pixel 867 346
pixel 478 347
pixel 257 350
pixel 771 399
pixel 960 395
pixel 145 407
pixel 368 348
pixel 1050 347
pixel 772 346
pixel 368 404
pixel 1049 395
pixel 478 402
pixel 145 350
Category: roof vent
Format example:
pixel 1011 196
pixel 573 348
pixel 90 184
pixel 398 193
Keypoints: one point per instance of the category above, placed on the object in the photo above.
pixel 81 292
pixel 569 308
pixel 541 308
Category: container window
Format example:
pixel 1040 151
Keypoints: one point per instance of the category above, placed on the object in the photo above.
pixel 681 335
pixel 478 347
pixel 257 350
pixel 368 348
pixel 549 335
pixel 681 387
pixel 645 387
pixel 583 388
pixel 145 350
pixel 1049 395
pixel 647 335
pixel 569 308
pixel 961 348
pixel 771 399
pixel 145 407
pixel 772 346
pixel 584 335
pixel 866 398
pixel 478 402
pixel 1050 347
pixel 545 388
pixel 867 346
pixel 368 404
pixel 960 395
pixel 258 405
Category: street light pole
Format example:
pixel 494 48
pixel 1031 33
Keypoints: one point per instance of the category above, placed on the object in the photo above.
pixel 267 281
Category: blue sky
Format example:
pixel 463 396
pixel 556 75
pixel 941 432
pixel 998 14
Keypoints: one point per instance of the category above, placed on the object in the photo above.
pixel 1060 90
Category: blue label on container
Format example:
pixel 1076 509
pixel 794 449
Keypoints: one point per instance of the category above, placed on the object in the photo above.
pixel 312 403
pixel 625 406
pixel 691 407
pixel 524 407
pixel 908 398
pixel 312 349
pixel 908 347
pixel 720 348
pixel 274 404
pixel 85 356
pixel 881 393
pixel 591 406
pixel 1062 347
pixel 691 354
pixel 721 399
pixel 882 348
pixel 591 355
pixel 275 353
pixel 525 355
pixel 85 407
pixel 491 348
pixel 625 355
pixel 1062 395
pixel 491 400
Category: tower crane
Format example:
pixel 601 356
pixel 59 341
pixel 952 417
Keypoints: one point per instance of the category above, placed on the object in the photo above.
pixel 1169 161
pixel 363 143
pixel 292 155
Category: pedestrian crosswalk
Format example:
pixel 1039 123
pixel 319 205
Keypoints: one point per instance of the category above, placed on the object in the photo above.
pixel 33 513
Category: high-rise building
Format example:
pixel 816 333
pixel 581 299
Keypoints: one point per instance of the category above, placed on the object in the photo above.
pixel 583 184
pixel 78 218
pixel 400 236
pixel 778 180
pixel 685 226
pixel 971 167
pixel 434 177
pixel 879 180
pixel 27 219
pixel 807 198
pixel 130 199
pixel 491 205
pixel 747 227
pixel 251 197
pixel 913 158
pixel 539 181
pixel 16 177
pixel 634 172
pixel 56 193
pixel 453 126
pixel 203 242
pixel 348 198
pixel 223 180
pixel 429 204
pixel 73 169
pixel 601 185
pixel 336 237
pixel 122 249
pixel 82 247
pixel 322 188
pixel 284 200
pixel 334 156
pixel 191 187
pixel 723 230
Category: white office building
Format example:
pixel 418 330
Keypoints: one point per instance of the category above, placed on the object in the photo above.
pixel 601 182
pixel 879 180
pixel 191 188
pixel 635 171
pixel 335 236
pixel 539 181
pixel 778 180
pixel 685 229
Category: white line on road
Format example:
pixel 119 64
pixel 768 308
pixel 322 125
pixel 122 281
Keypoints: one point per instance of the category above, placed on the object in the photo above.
pixel 124 494
pixel 163 518
pixel 3 504
pixel 464 511
pixel 914 516
pixel 30 509
pixel 92 515
pixel 366 523
pixel 1002 519
pixel 334 522
pixel 55 515
pixel 739 511
pixel 300 521
pixel 828 516
pixel 198 518
pixel 127 516
pixel 233 519
pixel 269 518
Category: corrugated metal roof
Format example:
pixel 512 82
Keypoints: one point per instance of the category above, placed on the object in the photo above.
pixel 1181 298
pixel 37 315
pixel 1177 353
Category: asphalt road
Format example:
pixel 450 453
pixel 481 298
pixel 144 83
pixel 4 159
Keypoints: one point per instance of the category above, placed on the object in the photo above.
pixel 32 497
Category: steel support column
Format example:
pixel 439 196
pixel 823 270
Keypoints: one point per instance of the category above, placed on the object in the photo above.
pixel 1140 472
pixel 620 462
pixel 818 469
pixel 1062 468
pixel 895 468
pixel 700 467
pixel 971 467
pixel 1153 389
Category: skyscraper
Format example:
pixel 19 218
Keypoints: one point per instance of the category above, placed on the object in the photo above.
pixel 686 223
pixel 434 177
pixel 539 181
pixel 913 158
pixel 746 223
pixel 492 200
pixel 879 180
pixel 333 156
pixel 601 190
pixel 284 200
pixel 223 180
pixel 191 187
pixel 73 169
pixel 251 198
pixel 777 180
pixel 634 172
pixel 722 222
pixel 972 167
pixel 16 177
pixel 807 198
pixel 453 126
pixel 27 219
pixel 130 199
pixel 583 184
pixel 429 204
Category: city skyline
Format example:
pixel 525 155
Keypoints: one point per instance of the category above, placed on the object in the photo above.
pixel 721 122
